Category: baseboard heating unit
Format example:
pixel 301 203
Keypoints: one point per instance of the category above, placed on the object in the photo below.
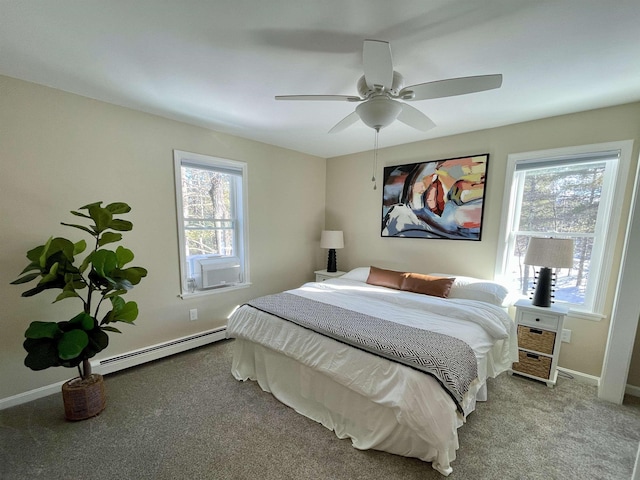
pixel 125 360
pixel 154 352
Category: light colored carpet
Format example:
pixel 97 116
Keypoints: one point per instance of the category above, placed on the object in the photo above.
pixel 186 417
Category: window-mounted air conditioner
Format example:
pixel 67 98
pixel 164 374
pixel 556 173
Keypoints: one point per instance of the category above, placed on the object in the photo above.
pixel 219 272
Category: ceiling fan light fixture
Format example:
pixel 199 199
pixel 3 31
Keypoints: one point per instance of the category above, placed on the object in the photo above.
pixel 379 112
pixel 381 85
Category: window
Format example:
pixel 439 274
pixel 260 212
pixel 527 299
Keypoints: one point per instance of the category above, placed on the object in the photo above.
pixel 210 200
pixel 567 193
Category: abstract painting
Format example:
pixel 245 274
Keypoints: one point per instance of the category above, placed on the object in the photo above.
pixel 435 199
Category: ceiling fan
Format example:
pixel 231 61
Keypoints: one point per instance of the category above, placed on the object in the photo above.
pixel 381 88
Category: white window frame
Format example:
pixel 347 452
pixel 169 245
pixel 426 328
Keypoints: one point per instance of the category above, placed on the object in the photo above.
pixel 604 253
pixel 181 158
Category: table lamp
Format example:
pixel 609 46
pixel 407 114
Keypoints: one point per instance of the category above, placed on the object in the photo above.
pixel 547 253
pixel 332 239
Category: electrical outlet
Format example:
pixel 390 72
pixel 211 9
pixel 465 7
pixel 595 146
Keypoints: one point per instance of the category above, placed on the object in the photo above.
pixel 566 335
pixel 193 314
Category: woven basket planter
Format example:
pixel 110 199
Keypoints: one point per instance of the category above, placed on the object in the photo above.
pixel 83 398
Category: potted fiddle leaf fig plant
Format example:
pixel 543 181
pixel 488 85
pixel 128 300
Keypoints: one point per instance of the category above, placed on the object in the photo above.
pixel 98 280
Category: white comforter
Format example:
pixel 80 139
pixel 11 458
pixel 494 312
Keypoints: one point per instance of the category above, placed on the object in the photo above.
pixel 425 419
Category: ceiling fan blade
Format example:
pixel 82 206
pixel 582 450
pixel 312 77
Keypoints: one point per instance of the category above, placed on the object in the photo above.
pixel 333 98
pixel 377 63
pixel 415 118
pixel 451 87
pixel 345 122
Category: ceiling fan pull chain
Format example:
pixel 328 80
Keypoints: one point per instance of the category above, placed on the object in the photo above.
pixel 375 160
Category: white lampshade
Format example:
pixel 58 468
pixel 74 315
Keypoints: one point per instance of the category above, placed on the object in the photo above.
pixel 332 239
pixel 549 252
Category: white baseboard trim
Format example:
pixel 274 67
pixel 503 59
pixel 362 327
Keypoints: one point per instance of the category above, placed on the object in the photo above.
pixel 632 390
pixel 31 395
pixel 581 377
pixel 121 362
pixel 593 380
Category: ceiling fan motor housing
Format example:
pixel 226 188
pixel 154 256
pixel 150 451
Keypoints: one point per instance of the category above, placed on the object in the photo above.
pixel 365 91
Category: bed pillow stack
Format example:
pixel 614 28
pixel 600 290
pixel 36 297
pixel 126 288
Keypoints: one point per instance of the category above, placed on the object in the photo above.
pixel 411 282
pixel 488 291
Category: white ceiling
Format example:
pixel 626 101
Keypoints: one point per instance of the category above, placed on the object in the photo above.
pixel 219 63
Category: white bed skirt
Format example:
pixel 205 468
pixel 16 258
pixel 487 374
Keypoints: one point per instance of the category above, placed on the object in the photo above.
pixel 349 414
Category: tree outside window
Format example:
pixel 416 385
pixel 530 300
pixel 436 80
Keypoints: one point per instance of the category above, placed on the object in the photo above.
pixel 558 201
pixel 210 201
pixel 570 192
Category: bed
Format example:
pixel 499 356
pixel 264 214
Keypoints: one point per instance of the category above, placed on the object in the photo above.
pixel 388 399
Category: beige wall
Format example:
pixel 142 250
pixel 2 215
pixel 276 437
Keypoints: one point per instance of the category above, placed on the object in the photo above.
pixel 353 206
pixel 61 151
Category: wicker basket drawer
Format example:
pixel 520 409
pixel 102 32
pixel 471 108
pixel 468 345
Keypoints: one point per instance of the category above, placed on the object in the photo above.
pixel 532 364
pixel 536 339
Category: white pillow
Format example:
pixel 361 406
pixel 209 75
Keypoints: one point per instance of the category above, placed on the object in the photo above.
pixel 359 274
pixel 478 289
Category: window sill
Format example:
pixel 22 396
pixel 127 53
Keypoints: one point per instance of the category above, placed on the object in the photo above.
pixel 573 312
pixel 214 291
pixel 582 315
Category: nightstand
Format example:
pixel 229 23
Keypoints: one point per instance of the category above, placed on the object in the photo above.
pixel 322 275
pixel 539 338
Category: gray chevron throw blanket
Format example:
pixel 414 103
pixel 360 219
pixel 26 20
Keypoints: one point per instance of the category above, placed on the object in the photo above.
pixel 449 360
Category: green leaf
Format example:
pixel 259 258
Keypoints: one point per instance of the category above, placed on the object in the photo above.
pixel 26 278
pixel 44 253
pixel 121 225
pixel 42 330
pixel 66 294
pixel 132 274
pixel 79 247
pixel 124 256
pixel 101 216
pixel 51 276
pixel 73 282
pixel 104 262
pixel 42 353
pixel 98 341
pixel 84 321
pixel 85 263
pixel 59 244
pixel 87 207
pixel 34 254
pixel 81 227
pixel 117 303
pixel 37 289
pixel 72 343
pixel 109 237
pixel 128 313
pixel 30 267
pixel 111 329
pixel 122 311
pixel 117 208
pixel 78 214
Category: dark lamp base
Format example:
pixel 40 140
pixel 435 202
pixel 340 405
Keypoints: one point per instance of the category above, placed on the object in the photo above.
pixel 332 264
pixel 542 294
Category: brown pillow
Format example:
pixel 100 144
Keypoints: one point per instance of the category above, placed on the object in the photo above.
pixel 385 278
pixel 426 284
